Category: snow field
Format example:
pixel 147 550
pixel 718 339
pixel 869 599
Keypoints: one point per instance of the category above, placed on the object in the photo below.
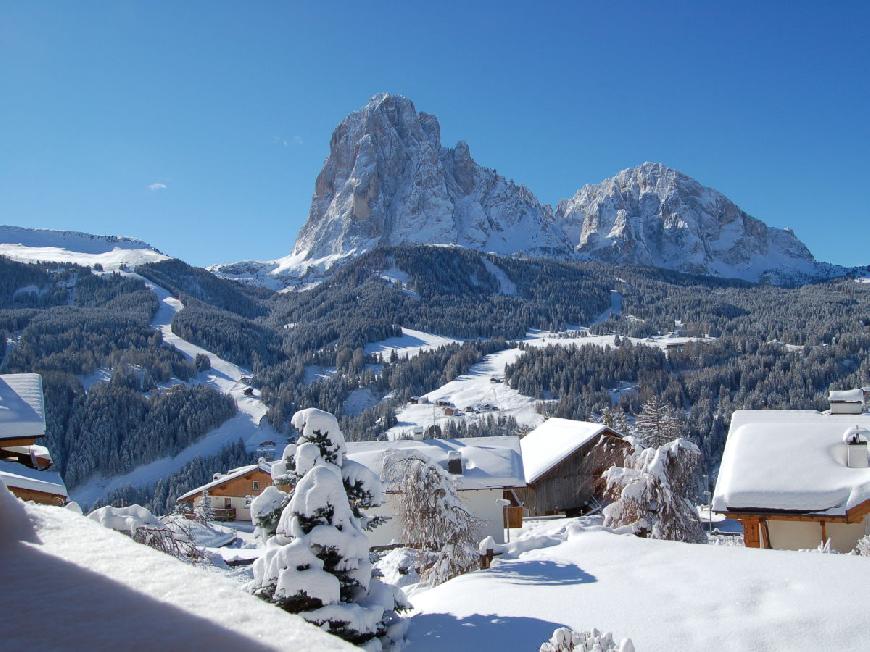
pixel 663 595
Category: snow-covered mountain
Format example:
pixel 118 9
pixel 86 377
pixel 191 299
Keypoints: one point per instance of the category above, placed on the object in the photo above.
pixel 388 180
pixel 654 215
pixel 28 245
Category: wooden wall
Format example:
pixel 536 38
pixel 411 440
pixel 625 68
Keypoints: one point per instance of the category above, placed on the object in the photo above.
pixel 239 487
pixel 40 497
pixel 574 482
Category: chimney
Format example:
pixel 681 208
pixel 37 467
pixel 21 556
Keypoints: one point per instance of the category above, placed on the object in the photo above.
pixel 454 463
pixel 856 447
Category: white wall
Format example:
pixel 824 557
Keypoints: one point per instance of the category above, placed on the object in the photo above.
pixel 802 535
pixel 479 502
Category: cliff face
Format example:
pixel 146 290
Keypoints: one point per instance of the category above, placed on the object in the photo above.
pixel 388 180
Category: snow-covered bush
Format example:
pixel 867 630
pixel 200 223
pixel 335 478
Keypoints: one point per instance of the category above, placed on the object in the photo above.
pixel 145 528
pixel 652 492
pixel 566 639
pixel 266 511
pixel 317 562
pixel 433 518
pixel 862 547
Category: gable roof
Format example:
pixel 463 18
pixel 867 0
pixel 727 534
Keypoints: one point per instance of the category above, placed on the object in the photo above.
pixel 790 460
pixel 553 441
pixel 22 408
pixel 487 462
pixel 232 474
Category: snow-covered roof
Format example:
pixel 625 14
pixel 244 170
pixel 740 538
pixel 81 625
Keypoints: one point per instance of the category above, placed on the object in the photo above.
pixel 553 441
pixel 847 396
pixel 487 462
pixel 232 474
pixel 22 410
pixel 792 460
pixel 20 476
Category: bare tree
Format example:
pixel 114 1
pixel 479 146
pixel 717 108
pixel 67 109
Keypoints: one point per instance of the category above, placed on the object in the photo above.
pixel 433 518
pixel 652 492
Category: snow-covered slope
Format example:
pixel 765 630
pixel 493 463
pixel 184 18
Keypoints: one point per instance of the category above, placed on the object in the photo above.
pixel 29 245
pixel 75 585
pixel 665 596
pixel 654 215
pixel 248 424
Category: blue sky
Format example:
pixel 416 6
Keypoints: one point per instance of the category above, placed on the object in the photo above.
pixel 201 126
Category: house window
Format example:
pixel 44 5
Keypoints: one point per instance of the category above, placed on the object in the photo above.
pixel 228 503
pixel 256 485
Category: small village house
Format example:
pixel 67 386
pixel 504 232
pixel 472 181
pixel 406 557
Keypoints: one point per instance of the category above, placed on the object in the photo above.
pixel 487 470
pixel 564 461
pixel 25 464
pixel 797 479
pixel 228 496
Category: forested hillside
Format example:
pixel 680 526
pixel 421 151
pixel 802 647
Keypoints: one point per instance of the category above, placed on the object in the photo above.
pixel 767 346
pixel 74 322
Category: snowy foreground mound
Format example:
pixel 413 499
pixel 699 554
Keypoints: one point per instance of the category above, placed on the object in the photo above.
pixel 77 585
pixel 665 596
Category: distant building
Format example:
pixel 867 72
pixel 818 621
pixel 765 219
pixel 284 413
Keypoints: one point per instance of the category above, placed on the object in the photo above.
pixel 797 478
pixel 25 464
pixel 564 461
pixel 487 470
pixel 228 496
pixel 850 401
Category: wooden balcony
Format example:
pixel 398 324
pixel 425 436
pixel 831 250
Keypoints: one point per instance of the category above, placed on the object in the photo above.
pixel 222 513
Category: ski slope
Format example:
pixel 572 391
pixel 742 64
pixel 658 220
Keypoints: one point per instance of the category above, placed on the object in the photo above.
pixel 410 344
pixel 480 387
pixel 224 376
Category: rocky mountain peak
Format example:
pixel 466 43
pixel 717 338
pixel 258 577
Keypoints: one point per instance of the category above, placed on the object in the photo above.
pixel 388 180
pixel 657 216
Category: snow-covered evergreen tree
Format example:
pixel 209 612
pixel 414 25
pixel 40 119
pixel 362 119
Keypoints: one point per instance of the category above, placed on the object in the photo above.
pixel 266 510
pixel 317 562
pixel 433 518
pixel 862 547
pixel 652 492
pixel 658 423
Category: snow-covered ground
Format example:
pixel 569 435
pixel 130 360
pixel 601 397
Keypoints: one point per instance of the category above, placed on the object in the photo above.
pixel 75 585
pixel 663 595
pixel 410 344
pixel 479 386
pixel 248 425
pixel 31 245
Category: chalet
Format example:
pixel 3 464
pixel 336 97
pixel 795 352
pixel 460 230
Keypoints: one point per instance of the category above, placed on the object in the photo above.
pixel 25 464
pixel 487 471
pixel 563 461
pixel 228 496
pixel 796 479
pixel 847 402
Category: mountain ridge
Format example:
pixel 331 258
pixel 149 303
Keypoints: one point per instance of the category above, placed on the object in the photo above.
pixel 388 180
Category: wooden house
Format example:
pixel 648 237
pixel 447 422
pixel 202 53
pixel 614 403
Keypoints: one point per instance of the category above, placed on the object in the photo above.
pixel 796 479
pixel 26 464
pixel 487 471
pixel 564 461
pixel 228 496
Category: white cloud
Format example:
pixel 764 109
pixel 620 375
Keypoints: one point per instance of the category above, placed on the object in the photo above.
pixel 154 187
pixel 284 142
